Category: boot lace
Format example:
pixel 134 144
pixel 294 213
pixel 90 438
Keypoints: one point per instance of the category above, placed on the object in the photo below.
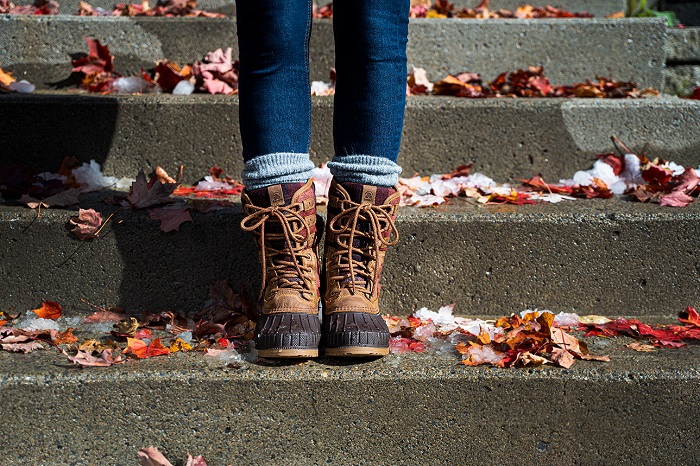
pixel 359 274
pixel 289 266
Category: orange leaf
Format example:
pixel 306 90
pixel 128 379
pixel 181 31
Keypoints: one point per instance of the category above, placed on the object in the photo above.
pixel 66 337
pixel 139 348
pixel 49 310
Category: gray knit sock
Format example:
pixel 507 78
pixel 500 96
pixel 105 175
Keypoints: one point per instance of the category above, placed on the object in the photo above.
pixel 365 169
pixel 280 167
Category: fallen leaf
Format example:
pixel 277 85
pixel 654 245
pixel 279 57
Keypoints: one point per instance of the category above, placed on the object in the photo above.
pixel 139 348
pixel 61 338
pixel 152 457
pixel 103 316
pixel 144 194
pixel 179 345
pixel 641 347
pixel 86 224
pixel 127 326
pixel 195 461
pixel 171 216
pixel 62 199
pixel 98 60
pixel 675 199
pixel 27 347
pixel 105 359
pixel 49 310
pixel 690 316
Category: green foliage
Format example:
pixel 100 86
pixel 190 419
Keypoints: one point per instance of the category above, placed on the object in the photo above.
pixel 640 9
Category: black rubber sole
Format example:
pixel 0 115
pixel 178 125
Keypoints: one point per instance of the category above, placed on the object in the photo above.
pixel 289 335
pixel 355 334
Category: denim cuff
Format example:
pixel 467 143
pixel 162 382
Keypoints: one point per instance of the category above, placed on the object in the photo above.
pixel 281 167
pixel 365 169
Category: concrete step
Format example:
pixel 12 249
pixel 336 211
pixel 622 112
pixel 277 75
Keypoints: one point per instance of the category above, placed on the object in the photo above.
pixel 505 138
pixel 410 409
pixel 682 71
pixel 595 7
pixel 608 257
pixel 570 50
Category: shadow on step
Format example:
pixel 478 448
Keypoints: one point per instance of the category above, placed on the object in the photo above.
pixel 83 127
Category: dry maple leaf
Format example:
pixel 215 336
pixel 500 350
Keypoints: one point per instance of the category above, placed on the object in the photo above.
pixel 144 194
pixel 141 350
pixel 98 60
pixel 86 224
pixel 195 461
pixel 49 310
pixel 127 326
pixel 27 347
pixel 62 199
pixel 61 338
pixel 171 216
pixel 105 359
pixel 104 316
pixel 179 344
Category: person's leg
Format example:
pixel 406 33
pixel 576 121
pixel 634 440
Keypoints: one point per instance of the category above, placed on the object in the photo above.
pixel 370 91
pixel 274 90
pixel 279 199
pixel 370 38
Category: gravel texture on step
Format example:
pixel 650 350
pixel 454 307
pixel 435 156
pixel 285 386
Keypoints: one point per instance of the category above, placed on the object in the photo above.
pixel 505 138
pixel 569 49
pixel 683 45
pixel 609 257
pixel 595 7
pixel 410 409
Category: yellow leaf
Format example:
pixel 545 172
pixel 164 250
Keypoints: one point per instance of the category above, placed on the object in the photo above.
pixel 179 345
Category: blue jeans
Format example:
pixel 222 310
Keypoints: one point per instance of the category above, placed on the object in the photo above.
pixel 274 90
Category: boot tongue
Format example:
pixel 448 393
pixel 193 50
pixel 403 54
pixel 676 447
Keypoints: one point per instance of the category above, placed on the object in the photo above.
pixel 359 193
pixel 278 194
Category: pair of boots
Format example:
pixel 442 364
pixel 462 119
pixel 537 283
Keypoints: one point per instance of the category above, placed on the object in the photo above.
pixel 360 227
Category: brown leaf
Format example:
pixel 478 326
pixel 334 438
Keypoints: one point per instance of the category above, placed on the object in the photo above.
pixel 144 194
pixel 49 310
pixel 104 360
pixel 86 224
pixel 61 338
pixel 562 357
pixel 104 316
pixel 171 216
pixel 641 347
pixel 127 327
pixel 27 347
pixel 62 199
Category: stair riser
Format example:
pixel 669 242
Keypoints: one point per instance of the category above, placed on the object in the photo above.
pixel 479 418
pixel 570 50
pixel 595 7
pixel 609 258
pixel 505 138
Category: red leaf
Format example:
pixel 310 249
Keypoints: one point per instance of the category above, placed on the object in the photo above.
pixel 617 162
pixel 688 181
pixel 98 60
pixel 695 94
pixel 655 173
pixel 139 348
pixel 49 310
pixel 104 316
pixel 690 316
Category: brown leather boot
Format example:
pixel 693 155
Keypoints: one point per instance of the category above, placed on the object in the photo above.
pixel 359 229
pixel 283 218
